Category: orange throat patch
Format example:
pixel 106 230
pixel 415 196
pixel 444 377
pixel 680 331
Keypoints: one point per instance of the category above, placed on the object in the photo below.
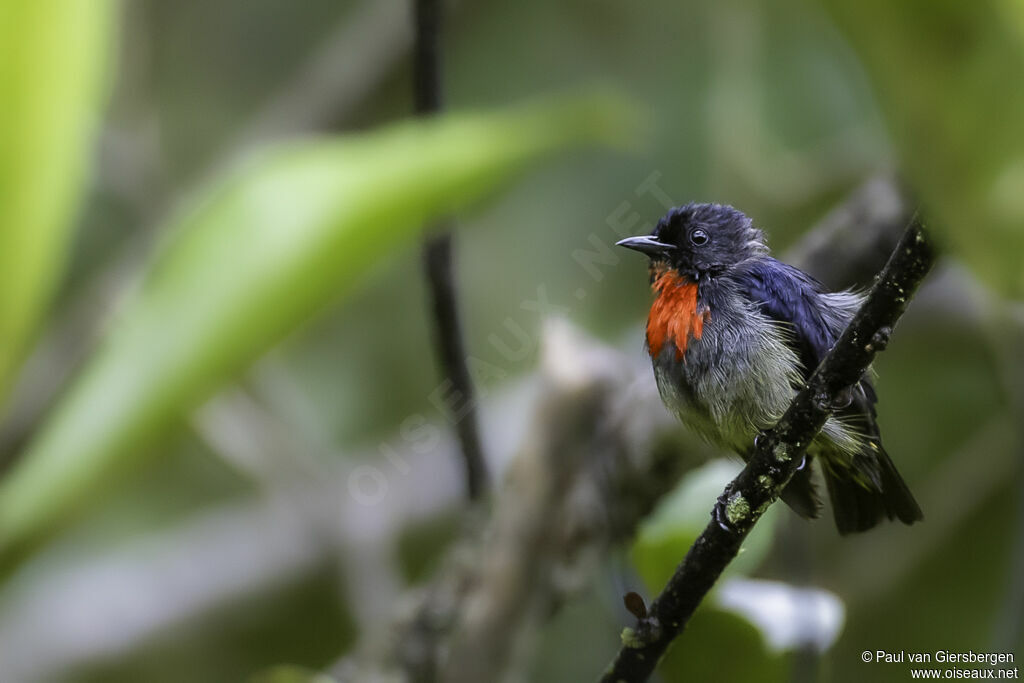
pixel 675 316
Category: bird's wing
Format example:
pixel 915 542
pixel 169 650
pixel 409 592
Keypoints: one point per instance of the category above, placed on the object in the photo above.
pixel 815 319
pixel 794 299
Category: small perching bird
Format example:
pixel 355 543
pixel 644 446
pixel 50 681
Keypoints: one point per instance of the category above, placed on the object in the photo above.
pixel 733 334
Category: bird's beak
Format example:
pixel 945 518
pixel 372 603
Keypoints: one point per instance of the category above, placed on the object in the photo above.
pixel 646 245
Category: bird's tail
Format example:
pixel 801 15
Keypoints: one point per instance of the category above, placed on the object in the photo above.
pixel 800 494
pixel 859 504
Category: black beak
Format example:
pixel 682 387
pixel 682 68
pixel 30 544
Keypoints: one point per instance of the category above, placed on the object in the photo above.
pixel 646 245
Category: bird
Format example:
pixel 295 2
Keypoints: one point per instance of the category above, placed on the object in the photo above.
pixel 733 334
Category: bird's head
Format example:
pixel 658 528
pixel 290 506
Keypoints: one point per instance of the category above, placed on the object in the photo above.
pixel 700 240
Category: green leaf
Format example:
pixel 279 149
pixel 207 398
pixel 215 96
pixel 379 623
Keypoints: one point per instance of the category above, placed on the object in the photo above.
pixel 290 674
pixel 948 77
pixel 722 646
pixel 280 238
pixel 667 534
pixel 53 62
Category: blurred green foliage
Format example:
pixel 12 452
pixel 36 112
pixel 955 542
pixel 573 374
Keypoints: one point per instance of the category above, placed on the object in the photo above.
pixel 779 108
pixel 699 656
pixel 666 535
pixel 251 260
pixel 248 640
pixel 54 59
pixel 290 674
pixel 948 76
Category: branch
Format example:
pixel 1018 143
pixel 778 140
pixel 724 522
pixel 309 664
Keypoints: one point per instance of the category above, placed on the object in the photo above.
pixel 437 258
pixel 778 453
pixel 852 242
pixel 565 501
pixel 598 452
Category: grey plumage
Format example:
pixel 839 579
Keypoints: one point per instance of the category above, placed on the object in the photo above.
pixel 729 403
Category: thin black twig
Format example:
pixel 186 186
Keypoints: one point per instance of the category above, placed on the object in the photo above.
pixel 427 57
pixel 778 453
pixel 437 259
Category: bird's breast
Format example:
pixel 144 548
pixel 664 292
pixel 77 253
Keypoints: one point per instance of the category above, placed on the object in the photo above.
pixel 676 315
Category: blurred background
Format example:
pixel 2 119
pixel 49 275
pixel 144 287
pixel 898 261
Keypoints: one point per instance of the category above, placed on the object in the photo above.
pixel 297 513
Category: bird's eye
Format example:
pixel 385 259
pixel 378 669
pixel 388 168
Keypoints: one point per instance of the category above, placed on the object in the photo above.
pixel 698 237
